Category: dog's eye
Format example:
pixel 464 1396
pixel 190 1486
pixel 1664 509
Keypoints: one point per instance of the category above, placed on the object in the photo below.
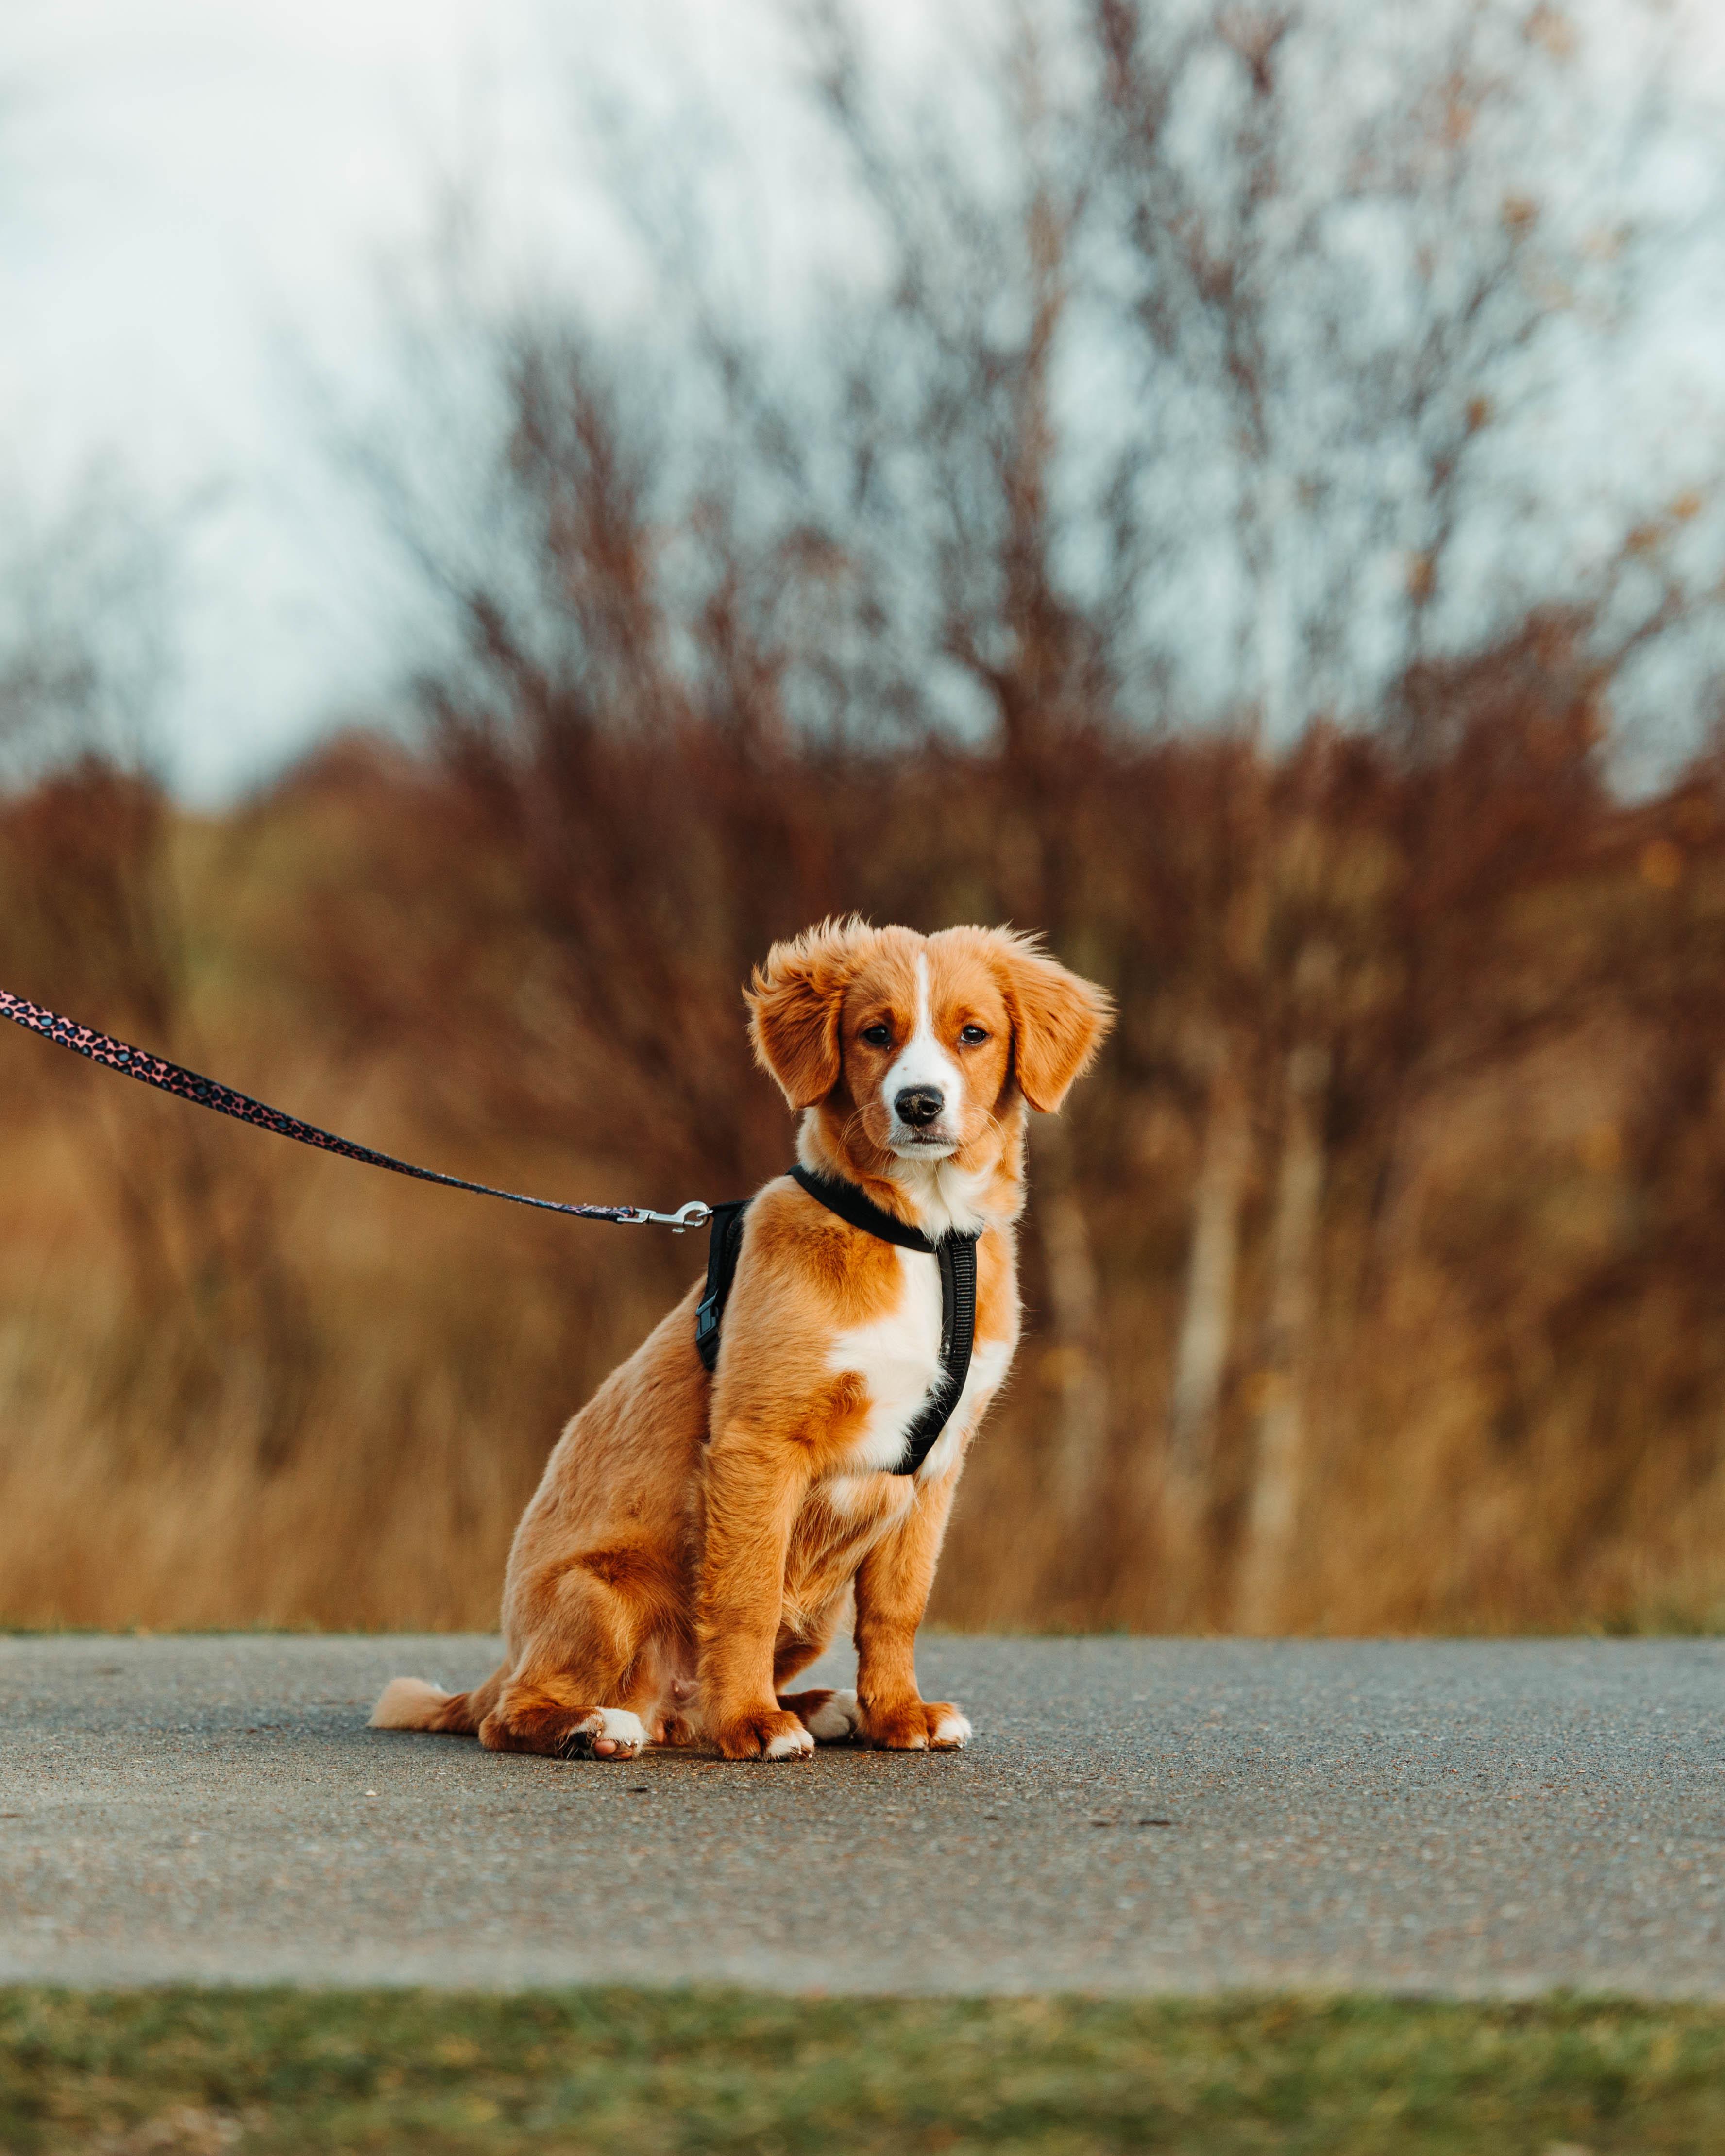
pixel 973 1036
pixel 878 1036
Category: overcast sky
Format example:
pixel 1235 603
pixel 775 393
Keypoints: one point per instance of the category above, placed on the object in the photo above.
pixel 197 199
pixel 200 201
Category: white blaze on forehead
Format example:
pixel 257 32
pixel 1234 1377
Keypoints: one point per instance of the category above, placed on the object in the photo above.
pixel 925 1061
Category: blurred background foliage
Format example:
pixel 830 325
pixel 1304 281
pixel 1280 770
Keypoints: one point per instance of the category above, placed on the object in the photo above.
pixel 1165 547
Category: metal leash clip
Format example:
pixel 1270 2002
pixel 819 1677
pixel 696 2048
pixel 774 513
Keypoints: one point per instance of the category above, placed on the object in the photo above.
pixel 693 1214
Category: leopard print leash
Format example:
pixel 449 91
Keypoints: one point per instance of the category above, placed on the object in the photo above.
pixel 208 1093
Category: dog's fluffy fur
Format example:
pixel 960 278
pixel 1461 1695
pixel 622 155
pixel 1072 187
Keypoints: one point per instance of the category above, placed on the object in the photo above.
pixel 694 1540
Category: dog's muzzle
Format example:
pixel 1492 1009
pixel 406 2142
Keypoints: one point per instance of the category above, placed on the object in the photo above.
pixel 917 1120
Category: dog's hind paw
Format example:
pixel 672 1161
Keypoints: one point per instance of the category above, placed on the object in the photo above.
pixel 830 1718
pixel 608 1733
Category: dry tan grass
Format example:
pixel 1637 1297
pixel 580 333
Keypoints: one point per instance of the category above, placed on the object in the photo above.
pixel 446 1340
pixel 241 1384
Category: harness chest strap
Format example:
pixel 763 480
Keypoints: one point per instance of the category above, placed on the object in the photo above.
pixel 955 1256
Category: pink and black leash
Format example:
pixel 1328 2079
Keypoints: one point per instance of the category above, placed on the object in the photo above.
pixel 209 1093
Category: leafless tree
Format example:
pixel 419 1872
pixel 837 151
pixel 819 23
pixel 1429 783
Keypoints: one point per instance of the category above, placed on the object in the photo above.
pixel 1305 268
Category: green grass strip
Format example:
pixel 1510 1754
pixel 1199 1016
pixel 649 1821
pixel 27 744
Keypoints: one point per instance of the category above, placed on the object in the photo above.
pixel 710 2070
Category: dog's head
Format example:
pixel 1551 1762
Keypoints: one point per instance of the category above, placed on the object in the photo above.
pixel 925 1041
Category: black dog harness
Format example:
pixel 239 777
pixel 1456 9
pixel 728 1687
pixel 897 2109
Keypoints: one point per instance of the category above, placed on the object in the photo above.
pixel 955 1255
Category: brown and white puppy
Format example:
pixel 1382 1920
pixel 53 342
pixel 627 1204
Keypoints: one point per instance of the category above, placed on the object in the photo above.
pixel 694 1540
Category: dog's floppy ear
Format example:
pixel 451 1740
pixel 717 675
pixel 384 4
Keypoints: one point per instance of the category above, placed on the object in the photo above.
pixel 795 1002
pixel 1057 1021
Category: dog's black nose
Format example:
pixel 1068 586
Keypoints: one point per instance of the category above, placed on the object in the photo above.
pixel 918 1105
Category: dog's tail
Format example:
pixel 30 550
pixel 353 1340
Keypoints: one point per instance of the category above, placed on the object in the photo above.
pixel 411 1703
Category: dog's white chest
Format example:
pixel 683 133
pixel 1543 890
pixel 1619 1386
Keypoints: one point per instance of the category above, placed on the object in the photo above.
pixel 898 1357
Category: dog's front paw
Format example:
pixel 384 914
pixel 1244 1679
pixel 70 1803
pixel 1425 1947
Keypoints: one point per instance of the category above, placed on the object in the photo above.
pixel 608 1733
pixel 770 1733
pixel 916 1725
pixel 830 1718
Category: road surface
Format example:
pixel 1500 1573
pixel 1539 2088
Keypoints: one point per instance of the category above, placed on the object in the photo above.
pixel 1132 1815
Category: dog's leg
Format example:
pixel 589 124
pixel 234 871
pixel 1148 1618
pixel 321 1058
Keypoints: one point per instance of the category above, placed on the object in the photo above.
pixel 892 1585
pixel 753 1495
pixel 578 1677
pixel 545 1715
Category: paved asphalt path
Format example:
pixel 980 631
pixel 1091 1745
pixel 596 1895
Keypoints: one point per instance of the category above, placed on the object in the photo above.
pixel 1132 1815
